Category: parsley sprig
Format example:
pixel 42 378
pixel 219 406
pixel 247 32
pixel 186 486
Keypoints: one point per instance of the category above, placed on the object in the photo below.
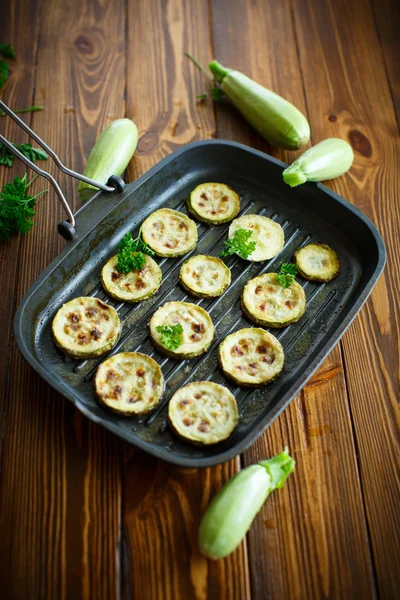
pixel 171 335
pixel 131 253
pixel 17 207
pixel 239 244
pixel 215 91
pixel 20 111
pixel 3 72
pixel 6 51
pixel 7 157
pixel 286 275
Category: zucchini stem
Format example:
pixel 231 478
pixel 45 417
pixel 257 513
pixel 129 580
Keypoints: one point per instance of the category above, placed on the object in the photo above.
pixel 218 70
pixel 278 468
pixel 294 177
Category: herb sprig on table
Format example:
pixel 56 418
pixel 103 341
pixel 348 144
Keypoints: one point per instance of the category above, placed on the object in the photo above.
pixel 20 111
pixel 34 154
pixel 131 253
pixel 239 244
pixel 286 275
pixel 215 91
pixel 6 51
pixel 17 207
pixel 6 156
pixel 171 335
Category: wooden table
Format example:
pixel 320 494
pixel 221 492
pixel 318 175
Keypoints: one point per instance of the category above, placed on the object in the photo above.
pixel 82 513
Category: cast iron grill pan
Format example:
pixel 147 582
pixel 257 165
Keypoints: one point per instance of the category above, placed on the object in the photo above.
pixel 310 213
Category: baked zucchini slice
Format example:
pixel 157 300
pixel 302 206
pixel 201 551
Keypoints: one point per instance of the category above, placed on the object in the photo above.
pixel 169 233
pixel 214 203
pixel 266 302
pixel 317 262
pixel 203 413
pixel 267 234
pixel 134 286
pixel 251 357
pixel 129 383
pixel 197 329
pixel 86 327
pixel 205 276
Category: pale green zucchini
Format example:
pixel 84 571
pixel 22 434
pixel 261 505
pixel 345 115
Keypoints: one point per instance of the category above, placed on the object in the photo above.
pixel 232 511
pixel 276 119
pixel 325 160
pixel 110 155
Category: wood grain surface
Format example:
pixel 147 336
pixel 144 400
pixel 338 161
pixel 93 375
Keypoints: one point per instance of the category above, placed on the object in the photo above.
pixel 81 513
pixel 60 474
pixel 371 346
pixel 301 554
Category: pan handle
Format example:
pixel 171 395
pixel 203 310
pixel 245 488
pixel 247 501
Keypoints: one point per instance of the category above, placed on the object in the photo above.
pixel 65 228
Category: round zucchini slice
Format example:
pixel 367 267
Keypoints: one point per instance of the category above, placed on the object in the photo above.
pixel 205 276
pixel 129 383
pixel 86 327
pixel 197 329
pixel 214 203
pixel 134 286
pixel 169 233
pixel 251 357
pixel 203 412
pixel 317 262
pixel 267 234
pixel 266 302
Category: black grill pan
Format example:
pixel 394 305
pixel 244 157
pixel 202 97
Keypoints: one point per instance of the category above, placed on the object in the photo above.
pixel 310 212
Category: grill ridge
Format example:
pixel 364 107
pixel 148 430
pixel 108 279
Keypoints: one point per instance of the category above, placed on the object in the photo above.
pixel 232 262
pixel 78 367
pixel 195 365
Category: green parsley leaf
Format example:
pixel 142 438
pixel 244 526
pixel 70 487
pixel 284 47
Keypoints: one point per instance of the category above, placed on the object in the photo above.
pixel 171 335
pixel 7 50
pixel 6 156
pixel 239 244
pixel 202 96
pixel 16 207
pixel 286 275
pixel 131 253
pixel 216 93
pixel 34 154
pixel 3 72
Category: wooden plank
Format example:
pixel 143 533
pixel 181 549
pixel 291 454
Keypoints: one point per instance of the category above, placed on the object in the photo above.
pixel 313 531
pixel 303 544
pixel 60 492
pixel 162 510
pixel 350 98
pixel 17 94
pixel 387 18
pixel 161 504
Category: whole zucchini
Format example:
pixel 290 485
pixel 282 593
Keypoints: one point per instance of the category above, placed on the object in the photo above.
pixel 110 155
pixel 231 512
pixel 328 159
pixel 276 119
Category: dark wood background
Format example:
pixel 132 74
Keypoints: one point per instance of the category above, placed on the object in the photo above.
pixel 85 515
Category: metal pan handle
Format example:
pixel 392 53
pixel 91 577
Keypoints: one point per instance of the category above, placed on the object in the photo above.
pixel 65 228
